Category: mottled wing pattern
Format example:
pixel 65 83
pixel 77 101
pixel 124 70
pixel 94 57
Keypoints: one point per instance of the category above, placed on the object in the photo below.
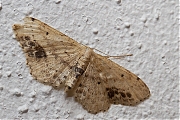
pixel 104 83
pixel 54 58
pixel 50 54
pixel 91 91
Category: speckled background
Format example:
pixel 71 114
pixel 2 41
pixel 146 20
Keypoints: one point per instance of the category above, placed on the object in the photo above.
pixel 148 29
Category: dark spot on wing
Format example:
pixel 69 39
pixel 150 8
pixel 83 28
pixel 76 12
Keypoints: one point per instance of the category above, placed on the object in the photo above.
pixel 111 92
pixel 27 38
pixel 55 76
pixel 128 94
pixel 122 75
pixel 32 19
pixel 47 33
pixel 40 53
pixel 37 51
pixel 116 92
pixel 77 75
pixel 122 94
pixel 86 75
pixel 138 78
pixel 64 77
pixel 31 43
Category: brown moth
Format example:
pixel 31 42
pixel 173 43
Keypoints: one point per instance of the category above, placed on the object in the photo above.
pixel 56 59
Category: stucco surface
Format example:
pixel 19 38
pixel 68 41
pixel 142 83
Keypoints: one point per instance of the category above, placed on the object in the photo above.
pixel 148 29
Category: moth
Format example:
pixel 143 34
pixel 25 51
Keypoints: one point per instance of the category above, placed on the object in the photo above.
pixel 56 59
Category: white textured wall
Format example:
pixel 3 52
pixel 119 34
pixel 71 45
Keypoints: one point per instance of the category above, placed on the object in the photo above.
pixel 148 29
